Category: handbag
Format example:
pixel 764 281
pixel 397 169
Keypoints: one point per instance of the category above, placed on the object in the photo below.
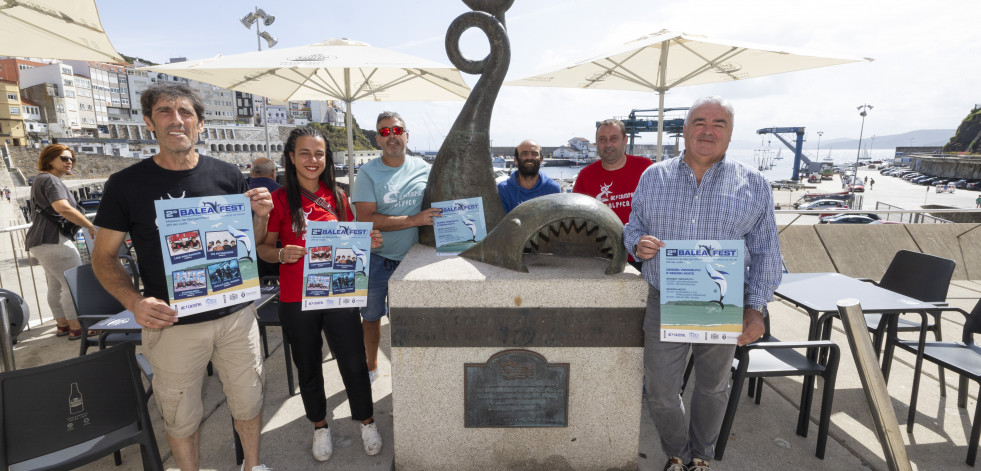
pixel 65 227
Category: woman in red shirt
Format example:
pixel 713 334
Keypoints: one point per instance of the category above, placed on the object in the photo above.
pixel 309 164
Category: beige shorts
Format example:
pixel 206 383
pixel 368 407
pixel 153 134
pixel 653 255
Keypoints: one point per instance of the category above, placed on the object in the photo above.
pixel 179 355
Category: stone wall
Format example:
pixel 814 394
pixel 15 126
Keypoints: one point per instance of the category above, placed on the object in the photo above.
pixel 88 166
pixel 947 167
pixel 865 250
pixel 93 166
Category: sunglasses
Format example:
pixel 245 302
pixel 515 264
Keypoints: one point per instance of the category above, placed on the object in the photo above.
pixel 67 159
pixel 397 130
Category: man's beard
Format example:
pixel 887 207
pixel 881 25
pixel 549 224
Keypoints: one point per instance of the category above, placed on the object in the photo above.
pixel 525 171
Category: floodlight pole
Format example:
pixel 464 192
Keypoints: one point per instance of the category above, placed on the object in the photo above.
pixel 253 18
pixel 863 110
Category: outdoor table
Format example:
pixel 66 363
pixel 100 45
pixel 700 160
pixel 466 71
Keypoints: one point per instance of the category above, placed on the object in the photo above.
pixel 125 322
pixel 818 295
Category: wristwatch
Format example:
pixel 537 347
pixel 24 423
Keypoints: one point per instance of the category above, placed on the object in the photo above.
pixel 758 307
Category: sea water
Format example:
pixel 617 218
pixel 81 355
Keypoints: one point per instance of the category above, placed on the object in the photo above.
pixel 782 169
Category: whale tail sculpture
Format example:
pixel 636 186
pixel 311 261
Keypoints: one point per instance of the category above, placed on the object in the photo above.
pixel 463 167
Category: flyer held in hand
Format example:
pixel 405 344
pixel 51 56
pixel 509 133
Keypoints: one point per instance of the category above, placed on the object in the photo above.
pixel 702 290
pixel 460 227
pixel 335 269
pixel 208 252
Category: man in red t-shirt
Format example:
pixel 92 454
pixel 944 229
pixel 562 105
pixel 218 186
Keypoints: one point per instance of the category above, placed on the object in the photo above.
pixel 614 177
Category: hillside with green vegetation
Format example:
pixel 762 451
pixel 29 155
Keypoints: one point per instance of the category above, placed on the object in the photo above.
pixel 338 136
pixel 967 139
pixel 130 59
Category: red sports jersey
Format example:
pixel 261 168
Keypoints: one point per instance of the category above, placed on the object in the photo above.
pixel 614 188
pixel 291 274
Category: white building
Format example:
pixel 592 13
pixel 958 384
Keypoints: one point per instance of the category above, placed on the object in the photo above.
pixel 277 114
pixel 219 103
pixel 109 89
pixel 581 144
pixel 326 112
pixel 67 122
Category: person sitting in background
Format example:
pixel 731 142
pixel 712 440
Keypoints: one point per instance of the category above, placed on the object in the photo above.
pixel 54 249
pixel 263 174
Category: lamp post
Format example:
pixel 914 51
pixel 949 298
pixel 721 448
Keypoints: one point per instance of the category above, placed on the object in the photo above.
pixel 820 133
pixel 253 19
pixel 862 111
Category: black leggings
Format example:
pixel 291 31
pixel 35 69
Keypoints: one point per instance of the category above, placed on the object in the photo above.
pixel 342 328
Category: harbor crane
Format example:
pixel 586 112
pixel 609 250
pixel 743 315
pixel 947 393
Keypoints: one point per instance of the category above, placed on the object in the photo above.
pixel 637 123
pixel 797 148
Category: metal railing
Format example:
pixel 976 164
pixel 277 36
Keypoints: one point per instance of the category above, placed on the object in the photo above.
pixel 909 216
pixel 20 257
pixel 914 217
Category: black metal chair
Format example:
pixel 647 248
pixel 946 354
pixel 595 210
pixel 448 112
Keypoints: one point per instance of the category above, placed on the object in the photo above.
pixel 769 357
pixel 66 414
pixel 920 276
pixel 268 316
pixel 93 304
pixel 17 313
pixel 963 358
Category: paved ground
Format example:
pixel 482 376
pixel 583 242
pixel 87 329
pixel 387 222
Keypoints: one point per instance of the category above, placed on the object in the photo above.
pixel 762 438
pixel 891 191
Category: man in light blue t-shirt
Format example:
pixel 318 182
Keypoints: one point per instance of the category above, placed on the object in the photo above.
pixel 388 194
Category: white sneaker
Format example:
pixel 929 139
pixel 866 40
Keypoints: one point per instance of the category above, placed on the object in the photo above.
pixel 261 467
pixel 323 448
pixel 371 439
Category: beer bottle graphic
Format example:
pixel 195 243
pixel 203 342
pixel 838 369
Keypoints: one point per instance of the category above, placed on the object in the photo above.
pixel 75 404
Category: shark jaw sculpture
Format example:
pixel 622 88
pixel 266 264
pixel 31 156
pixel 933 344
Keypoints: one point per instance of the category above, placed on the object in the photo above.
pixel 561 224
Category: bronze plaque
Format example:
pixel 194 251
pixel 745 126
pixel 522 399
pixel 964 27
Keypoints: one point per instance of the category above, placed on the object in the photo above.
pixel 516 388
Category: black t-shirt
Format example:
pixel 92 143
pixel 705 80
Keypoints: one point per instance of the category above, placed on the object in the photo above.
pixel 127 206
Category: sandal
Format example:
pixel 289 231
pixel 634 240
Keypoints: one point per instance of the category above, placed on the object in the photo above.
pixel 62 331
pixel 75 334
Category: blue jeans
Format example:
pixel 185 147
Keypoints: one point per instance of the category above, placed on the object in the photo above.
pixel 378 275
pixel 664 367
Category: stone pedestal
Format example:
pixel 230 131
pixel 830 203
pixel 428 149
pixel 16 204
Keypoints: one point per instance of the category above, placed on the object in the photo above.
pixel 449 314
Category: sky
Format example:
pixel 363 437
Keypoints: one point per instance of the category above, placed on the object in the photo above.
pixel 924 75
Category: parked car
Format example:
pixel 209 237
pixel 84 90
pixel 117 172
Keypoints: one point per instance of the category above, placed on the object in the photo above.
pixel 850 219
pixel 927 181
pixel 973 185
pixel 823 205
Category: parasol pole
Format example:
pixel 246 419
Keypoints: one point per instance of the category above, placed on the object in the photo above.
pixel 662 68
pixel 350 150
pixel 348 121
